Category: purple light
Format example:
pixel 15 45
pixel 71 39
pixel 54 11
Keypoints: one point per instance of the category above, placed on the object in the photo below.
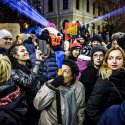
pixel 113 13
pixel 25 9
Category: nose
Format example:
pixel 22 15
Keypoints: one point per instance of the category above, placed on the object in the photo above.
pixel 98 57
pixel 26 52
pixel 114 60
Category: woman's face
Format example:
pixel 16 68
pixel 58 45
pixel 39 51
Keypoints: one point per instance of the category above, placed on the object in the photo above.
pixel 21 55
pixel 96 43
pixel 115 60
pixel 76 53
pixel 67 73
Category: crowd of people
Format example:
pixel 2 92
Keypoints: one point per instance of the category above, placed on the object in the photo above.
pixel 90 90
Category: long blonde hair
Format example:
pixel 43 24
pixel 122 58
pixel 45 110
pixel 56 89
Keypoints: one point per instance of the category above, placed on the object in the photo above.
pixel 5 68
pixel 105 71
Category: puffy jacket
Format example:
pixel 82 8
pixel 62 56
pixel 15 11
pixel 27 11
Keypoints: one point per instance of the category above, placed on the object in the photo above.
pixel 50 67
pixel 104 95
pixel 45 101
pixel 13 106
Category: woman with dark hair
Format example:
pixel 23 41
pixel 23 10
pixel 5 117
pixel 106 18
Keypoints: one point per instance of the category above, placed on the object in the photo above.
pixel 110 86
pixel 74 51
pixel 26 77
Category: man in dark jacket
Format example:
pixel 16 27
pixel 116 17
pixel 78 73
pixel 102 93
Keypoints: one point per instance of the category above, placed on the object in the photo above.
pixel 89 75
pixel 50 67
pixel 5 41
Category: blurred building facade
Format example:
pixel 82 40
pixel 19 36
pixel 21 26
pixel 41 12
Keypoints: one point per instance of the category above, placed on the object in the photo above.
pixel 61 11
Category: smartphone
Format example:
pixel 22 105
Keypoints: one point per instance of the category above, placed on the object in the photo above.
pixel 42 46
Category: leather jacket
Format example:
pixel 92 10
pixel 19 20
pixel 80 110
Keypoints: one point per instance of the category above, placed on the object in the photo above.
pixel 26 80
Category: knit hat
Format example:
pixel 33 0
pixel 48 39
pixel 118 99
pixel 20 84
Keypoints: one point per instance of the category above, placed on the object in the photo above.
pixel 86 50
pixel 121 42
pixel 72 65
pixel 75 45
pixel 97 38
pixel 5 33
pixel 98 48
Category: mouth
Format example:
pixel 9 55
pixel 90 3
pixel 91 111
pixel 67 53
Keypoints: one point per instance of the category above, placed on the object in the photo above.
pixel 114 65
pixel 98 61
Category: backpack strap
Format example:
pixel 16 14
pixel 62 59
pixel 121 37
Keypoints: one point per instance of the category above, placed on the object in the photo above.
pixel 58 104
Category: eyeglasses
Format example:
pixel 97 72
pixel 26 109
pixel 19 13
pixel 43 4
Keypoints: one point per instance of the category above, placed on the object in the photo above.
pixel 7 39
pixel 96 56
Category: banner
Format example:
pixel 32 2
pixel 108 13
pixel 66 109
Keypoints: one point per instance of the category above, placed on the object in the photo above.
pixel 71 30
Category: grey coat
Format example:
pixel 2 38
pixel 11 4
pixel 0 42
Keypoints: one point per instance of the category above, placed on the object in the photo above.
pixel 45 101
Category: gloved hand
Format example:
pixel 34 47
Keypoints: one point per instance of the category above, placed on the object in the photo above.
pixel 57 81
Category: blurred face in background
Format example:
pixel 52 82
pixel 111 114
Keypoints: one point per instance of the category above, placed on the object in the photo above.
pixel 76 52
pixel 81 41
pixel 95 43
pixel 6 42
pixel 115 60
pixel 114 42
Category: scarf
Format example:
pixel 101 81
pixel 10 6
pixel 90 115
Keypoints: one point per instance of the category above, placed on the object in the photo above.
pixel 70 111
pixel 10 97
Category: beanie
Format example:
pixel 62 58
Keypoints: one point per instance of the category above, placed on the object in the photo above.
pixel 75 45
pixel 98 48
pixel 86 50
pixel 97 38
pixel 72 65
pixel 121 42
pixel 5 33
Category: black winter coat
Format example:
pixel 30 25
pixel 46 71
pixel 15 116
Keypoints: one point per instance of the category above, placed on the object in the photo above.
pixel 28 81
pixel 104 95
pixel 14 112
pixel 88 78
pixel 3 51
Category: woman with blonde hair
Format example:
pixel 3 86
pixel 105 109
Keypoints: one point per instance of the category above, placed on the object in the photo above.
pixel 110 86
pixel 13 106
